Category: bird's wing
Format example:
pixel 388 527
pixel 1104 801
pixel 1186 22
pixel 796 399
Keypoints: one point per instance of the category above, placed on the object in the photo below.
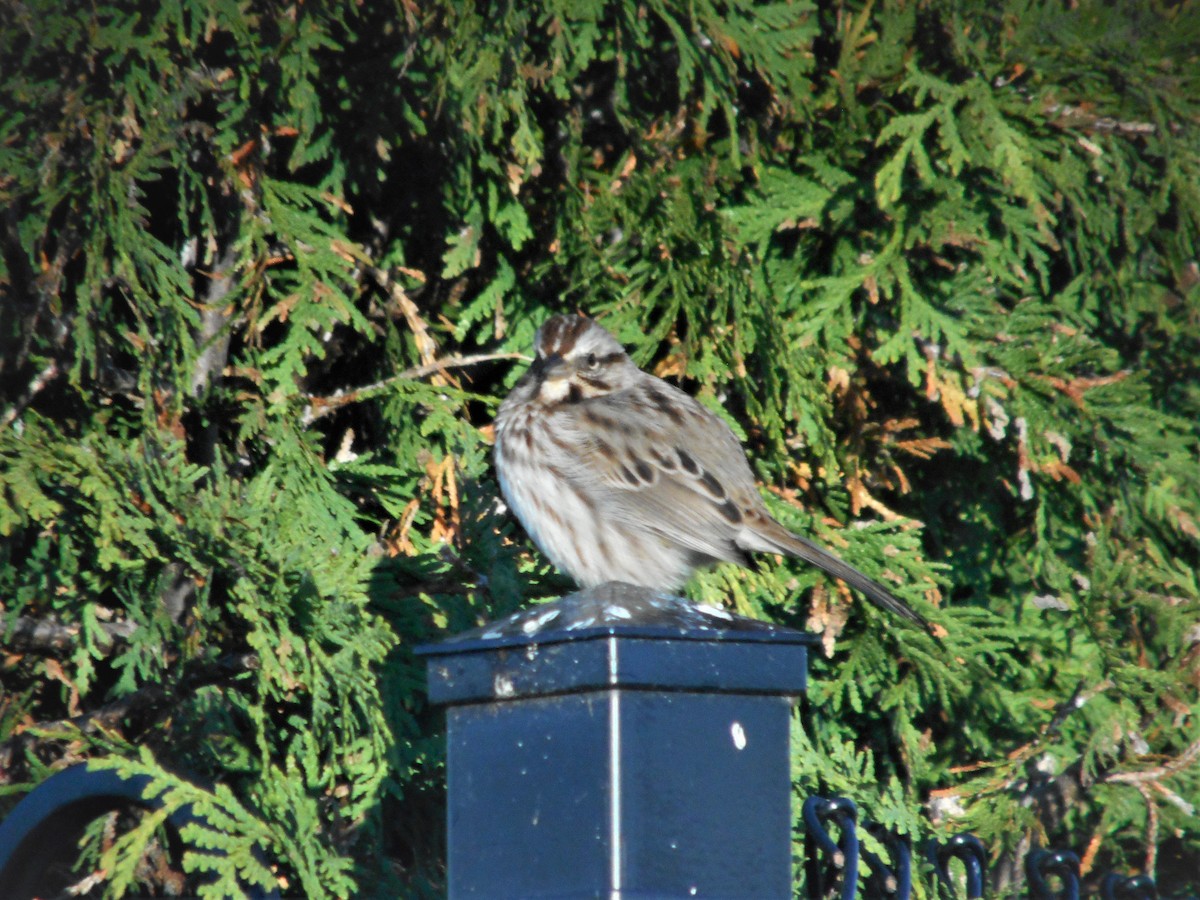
pixel 666 464
pixel 670 466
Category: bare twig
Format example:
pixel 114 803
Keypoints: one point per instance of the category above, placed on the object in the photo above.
pixel 1174 798
pixel 49 634
pixel 1151 830
pixel 1147 780
pixel 30 293
pixel 1170 767
pixel 450 362
pixel 213 335
pixel 323 406
pixel 1068 116
pixel 107 716
pixel 224 670
pixel 36 386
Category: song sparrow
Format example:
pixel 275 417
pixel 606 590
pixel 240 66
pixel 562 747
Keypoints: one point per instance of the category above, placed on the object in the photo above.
pixel 619 476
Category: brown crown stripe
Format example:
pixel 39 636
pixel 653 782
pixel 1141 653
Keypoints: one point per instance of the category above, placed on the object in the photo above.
pixel 548 339
pixel 560 333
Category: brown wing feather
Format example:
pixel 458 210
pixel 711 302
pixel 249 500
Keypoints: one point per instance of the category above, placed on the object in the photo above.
pixel 657 452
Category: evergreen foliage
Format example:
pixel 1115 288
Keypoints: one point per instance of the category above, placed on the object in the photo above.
pixel 265 272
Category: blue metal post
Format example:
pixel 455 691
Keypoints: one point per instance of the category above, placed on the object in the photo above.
pixel 619 743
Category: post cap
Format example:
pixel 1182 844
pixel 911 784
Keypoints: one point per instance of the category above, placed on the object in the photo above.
pixel 617 635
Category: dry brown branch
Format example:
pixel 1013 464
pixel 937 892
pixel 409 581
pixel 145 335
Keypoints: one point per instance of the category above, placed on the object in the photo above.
pixel 426 345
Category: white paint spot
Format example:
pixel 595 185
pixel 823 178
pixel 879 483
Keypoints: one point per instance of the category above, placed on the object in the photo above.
pixel 714 611
pixel 619 612
pixel 502 686
pixel 739 735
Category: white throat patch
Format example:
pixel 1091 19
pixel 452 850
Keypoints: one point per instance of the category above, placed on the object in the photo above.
pixel 555 390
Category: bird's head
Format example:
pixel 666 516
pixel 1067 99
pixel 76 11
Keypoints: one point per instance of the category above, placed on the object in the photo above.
pixel 577 359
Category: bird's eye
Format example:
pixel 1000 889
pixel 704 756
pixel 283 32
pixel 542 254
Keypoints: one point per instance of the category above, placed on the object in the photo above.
pixel 592 361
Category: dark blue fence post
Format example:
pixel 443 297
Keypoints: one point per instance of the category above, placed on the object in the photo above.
pixel 619 743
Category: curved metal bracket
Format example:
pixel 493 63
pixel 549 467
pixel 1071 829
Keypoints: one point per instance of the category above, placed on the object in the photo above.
pixel 1136 887
pixel 969 850
pixel 841 854
pixel 41 832
pixel 1041 864
pixel 891 880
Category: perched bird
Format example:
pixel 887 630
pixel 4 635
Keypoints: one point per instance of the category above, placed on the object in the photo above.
pixel 619 476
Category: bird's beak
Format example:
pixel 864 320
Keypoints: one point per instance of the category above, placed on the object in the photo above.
pixel 553 378
pixel 550 368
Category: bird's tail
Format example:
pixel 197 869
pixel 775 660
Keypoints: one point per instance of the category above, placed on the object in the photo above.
pixel 780 540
